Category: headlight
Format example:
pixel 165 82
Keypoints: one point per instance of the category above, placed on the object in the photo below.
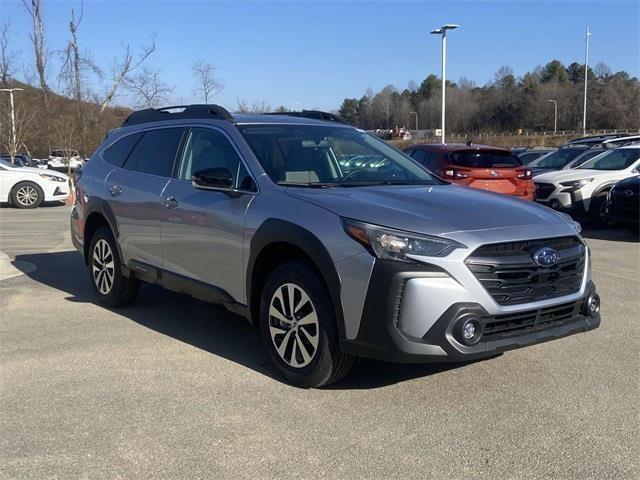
pixel 577 184
pixel 397 245
pixel 53 178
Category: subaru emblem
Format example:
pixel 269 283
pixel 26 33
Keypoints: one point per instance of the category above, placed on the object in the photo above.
pixel 493 173
pixel 546 257
pixel 628 193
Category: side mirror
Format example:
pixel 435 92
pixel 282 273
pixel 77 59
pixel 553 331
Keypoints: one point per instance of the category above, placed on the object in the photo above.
pixel 213 179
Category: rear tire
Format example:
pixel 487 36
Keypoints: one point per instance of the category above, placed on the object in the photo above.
pixel 112 288
pixel 298 327
pixel 27 195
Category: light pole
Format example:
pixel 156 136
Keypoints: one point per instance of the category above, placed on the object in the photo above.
pixel 13 121
pixel 442 31
pixel 586 68
pixel 416 114
pixel 555 116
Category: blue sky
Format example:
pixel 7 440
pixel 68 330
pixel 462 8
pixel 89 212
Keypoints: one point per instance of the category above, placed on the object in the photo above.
pixel 305 54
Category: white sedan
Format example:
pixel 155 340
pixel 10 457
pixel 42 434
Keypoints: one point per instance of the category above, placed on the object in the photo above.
pixel 27 187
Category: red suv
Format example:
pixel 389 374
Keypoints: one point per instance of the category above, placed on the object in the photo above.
pixel 477 166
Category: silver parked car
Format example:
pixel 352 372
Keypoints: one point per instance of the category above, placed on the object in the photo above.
pixel 274 217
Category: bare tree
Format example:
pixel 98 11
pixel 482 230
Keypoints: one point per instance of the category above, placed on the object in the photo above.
pixel 207 83
pixel 149 90
pixel 39 46
pixel 73 69
pixel 255 107
pixel 7 57
pixel 25 131
pixel 122 69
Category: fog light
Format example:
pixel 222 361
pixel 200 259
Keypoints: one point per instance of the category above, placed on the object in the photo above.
pixel 470 332
pixel 593 305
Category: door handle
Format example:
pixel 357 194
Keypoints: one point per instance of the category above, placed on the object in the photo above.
pixel 171 202
pixel 115 190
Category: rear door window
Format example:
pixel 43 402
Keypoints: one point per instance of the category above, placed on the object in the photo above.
pixel 485 160
pixel 118 153
pixel 156 152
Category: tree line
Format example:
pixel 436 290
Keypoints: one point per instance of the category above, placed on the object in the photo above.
pixel 507 103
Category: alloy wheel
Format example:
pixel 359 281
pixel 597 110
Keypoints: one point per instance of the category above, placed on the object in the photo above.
pixel 27 195
pixel 293 325
pixel 103 267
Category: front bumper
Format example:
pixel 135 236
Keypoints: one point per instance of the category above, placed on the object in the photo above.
pixel 413 314
pixel 565 200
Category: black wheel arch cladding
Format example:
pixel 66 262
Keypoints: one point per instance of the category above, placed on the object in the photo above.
pixel 274 231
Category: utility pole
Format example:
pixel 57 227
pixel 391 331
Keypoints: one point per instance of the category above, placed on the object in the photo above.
pixel 586 71
pixel 442 31
pixel 555 116
pixel 14 147
pixel 416 114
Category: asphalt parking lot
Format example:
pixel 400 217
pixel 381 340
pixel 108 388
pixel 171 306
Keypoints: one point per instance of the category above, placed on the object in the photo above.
pixel 175 388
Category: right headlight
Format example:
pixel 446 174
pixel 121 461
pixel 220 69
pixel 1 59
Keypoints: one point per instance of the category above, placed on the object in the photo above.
pixel 390 244
pixel 577 184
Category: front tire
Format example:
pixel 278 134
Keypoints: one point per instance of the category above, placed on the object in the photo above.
pixel 298 327
pixel 112 288
pixel 27 195
pixel 598 214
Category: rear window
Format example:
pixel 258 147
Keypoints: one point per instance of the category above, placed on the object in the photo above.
pixel 476 159
pixel 155 153
pixel 117 153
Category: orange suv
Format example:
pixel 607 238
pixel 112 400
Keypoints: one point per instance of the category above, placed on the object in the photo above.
pixel 477 166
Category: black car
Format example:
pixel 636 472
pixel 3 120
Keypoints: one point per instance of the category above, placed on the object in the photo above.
pixel 623 203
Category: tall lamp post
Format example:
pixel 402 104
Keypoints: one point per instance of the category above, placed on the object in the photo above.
pixel 13 121
pixel 442 31
pixel 555 116
pixel 416 114
pixel 586 68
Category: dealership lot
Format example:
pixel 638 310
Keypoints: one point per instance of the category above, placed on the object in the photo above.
pixel 175 388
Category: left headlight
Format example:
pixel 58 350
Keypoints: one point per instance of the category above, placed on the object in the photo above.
pixel 397 245
pixel 577 184
pixel 53 178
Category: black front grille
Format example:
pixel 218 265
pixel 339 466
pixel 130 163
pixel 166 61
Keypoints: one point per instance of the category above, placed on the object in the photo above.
pixel 507 270
pixel 543 190
pixel 510 325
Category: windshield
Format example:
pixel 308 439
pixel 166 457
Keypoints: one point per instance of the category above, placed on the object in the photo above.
pixel 7 162
pixel 557 159
pixel 613 160
pixel 309 155
pixel 474 159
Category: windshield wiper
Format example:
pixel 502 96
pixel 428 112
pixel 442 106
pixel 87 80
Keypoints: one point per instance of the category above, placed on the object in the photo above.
pixel 308 184
pixel 384 182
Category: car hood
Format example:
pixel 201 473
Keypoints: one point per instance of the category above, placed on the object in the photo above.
pixel 431 210
pixel 540 170
pixel 568 175
pixel 39 171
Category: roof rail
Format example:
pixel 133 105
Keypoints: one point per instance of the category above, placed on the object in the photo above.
pixel 317 114
pixel 185 111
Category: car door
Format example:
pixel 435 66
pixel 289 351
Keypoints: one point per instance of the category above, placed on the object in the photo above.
pixel 202 230
pixel 134 194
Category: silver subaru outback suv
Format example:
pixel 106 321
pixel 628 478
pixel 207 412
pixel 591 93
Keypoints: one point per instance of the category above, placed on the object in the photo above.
pixel 333 243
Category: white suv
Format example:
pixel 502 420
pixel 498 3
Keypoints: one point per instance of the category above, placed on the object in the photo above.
pixel 584 189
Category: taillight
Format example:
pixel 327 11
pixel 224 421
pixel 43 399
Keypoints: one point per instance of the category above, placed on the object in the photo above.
pixel 526 174
pixel 453 173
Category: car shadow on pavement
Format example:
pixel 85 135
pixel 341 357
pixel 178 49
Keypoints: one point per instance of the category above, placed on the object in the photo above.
pixel 204 325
